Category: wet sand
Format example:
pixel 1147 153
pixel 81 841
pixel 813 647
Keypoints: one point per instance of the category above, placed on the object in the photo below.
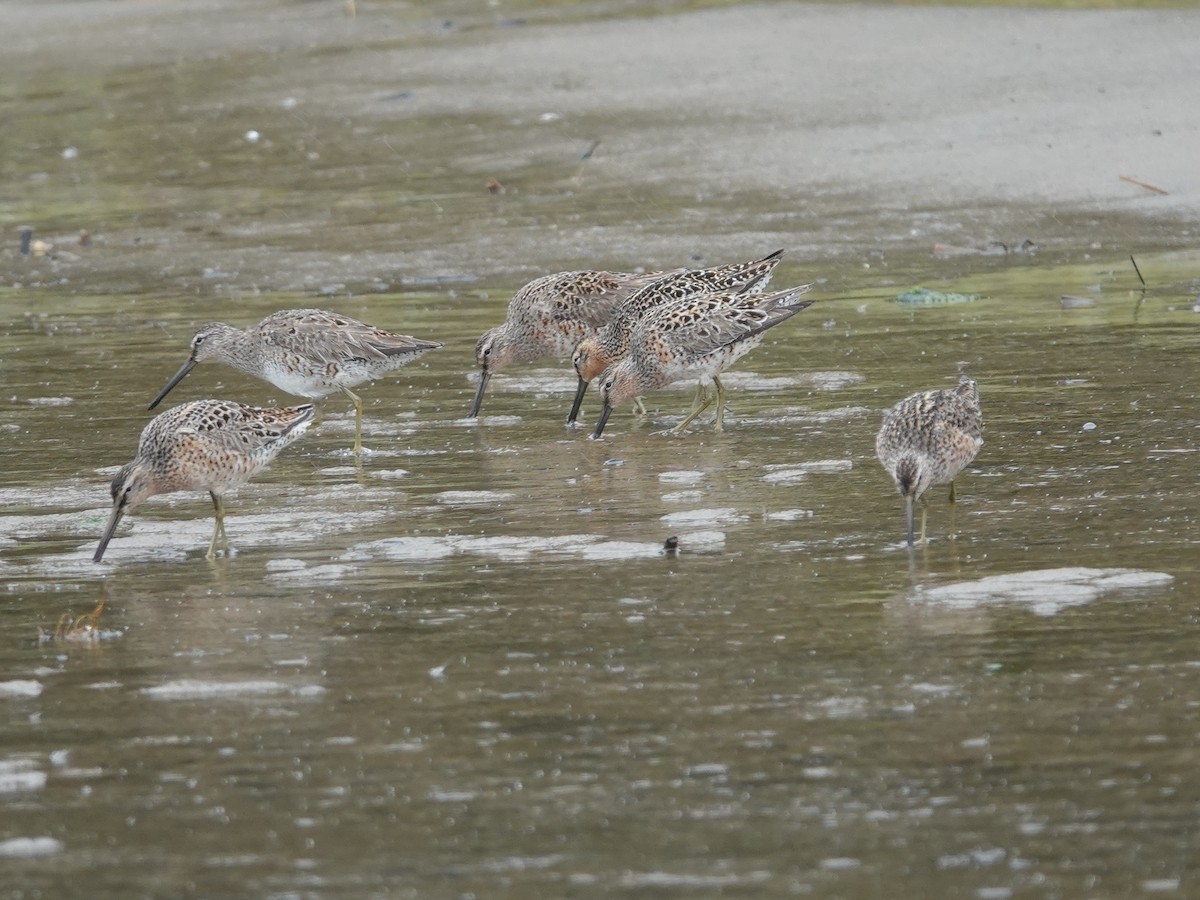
pixel 829 130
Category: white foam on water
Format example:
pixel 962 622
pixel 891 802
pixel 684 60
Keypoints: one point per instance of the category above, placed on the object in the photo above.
pixel 195 689
pixel 840 863
pixel 20 688
pixel 535 382
pixel 489 421
pixel 820 381
pixel 518 548
pixel 471 498
pixel 785 476
pixel 699 517
pixel 18 775
pixel 327 572
pixel 682 496
pixel 26 847
pixel 608 550
pixel 681 476
pixel 788 515
pixel 704 541
pixel 1045 591
pixel 401 548
pixel 812 465
pixel 686 880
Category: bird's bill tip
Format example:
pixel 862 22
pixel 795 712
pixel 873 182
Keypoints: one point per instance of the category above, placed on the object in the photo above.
pixel 175 379
pixel 908 518
pixel 578 402
pixel 604 414
pixel 478 402
pixel 109 530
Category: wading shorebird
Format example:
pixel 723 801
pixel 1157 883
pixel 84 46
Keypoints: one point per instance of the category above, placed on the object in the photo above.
pixel 927 439
pixel 550 316
pixel 212 445
pixel 307 353
pixel 697 337
pixel 611 342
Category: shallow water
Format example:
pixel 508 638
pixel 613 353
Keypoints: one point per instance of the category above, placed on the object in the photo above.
pixel 467 666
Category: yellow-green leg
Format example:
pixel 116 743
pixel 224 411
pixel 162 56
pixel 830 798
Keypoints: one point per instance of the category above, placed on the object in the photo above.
pixel 720 425
pixel 218 528
pixel 639 407
pixel 924 513
pixel 358 447
pixel 699 398
pixel 697 407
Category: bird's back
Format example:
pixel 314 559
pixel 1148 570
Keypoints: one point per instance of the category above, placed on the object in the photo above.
pixel 941 430
pixel 217 444
pixel 314 352
pixel 735 278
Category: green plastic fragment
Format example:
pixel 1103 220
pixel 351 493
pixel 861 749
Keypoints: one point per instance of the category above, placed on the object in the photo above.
pixel 920 296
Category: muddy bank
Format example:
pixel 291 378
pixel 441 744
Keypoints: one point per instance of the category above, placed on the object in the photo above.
pixel 225 146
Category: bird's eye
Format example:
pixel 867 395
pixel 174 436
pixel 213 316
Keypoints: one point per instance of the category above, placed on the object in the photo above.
pixel 487 351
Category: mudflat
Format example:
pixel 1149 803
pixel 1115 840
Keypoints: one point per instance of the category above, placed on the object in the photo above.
pixel 279 139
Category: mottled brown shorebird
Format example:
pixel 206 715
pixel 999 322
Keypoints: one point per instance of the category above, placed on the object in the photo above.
pixel 696 337
pixel 549 316
pixel 307 353
pixel 927 439
pixel 611 342
pixel 212 445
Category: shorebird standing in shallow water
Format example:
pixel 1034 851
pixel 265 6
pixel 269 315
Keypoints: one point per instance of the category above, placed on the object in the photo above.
pixel 611 342
pixel 306 352
pixel 927 439
pixel 696 337
pixel 549 316
pixel 213 445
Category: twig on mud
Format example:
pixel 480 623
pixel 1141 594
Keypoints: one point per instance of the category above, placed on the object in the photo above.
pixel 1136 269
pixel 1142 184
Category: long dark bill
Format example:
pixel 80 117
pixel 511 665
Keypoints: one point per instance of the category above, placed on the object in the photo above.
pixel 483 380
pixel 908 517
pixel 579 392
pixel 113 521
pixel 175 379
pixel 604 414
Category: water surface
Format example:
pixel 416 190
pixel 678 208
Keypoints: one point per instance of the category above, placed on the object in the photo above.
pixel 467 666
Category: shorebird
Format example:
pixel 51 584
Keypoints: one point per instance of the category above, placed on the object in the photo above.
pixel 550 316
pixel 697 337
pixel 611 342
pixel 307 353
pixel 927 439
pixel 213 445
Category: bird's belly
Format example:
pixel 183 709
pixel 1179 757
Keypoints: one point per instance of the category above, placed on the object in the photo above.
pixel 302 380
pixel 712 364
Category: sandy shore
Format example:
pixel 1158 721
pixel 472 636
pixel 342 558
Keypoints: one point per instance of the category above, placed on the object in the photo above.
pixel 828 129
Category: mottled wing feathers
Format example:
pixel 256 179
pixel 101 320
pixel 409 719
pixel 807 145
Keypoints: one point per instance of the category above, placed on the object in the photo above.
pixel 223 422
pixel 743 277
pixel 587 297
pixel 324 337
pixel 708 323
